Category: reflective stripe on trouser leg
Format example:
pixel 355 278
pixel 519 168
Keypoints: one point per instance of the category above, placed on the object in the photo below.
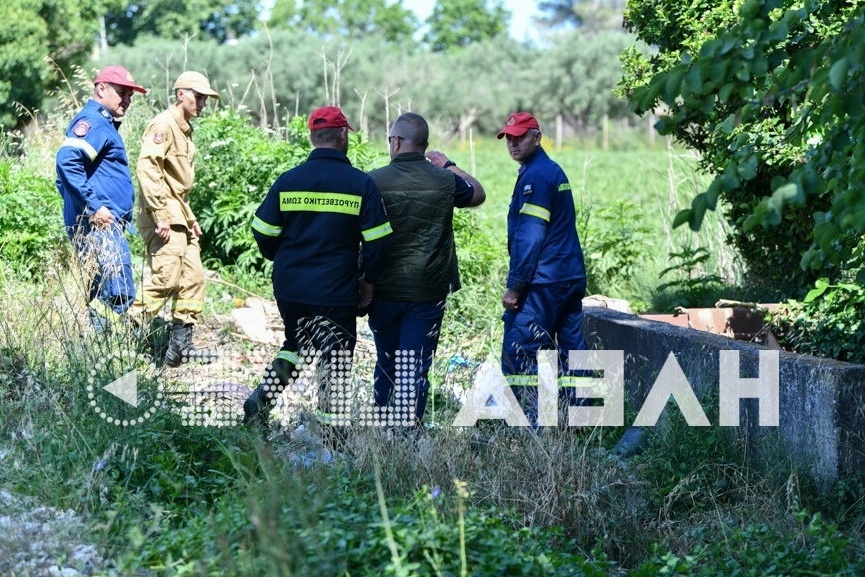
pixel 279 374
pixel 191 284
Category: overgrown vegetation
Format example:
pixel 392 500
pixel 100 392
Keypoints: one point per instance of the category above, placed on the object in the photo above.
pixel 165 498
pixel 769 93
pixel 31 219
pixel 828 322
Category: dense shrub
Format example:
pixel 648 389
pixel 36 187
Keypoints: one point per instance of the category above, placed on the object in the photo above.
pixel 828 322
pixel 236 165
pixel 615 242
pixel 31 222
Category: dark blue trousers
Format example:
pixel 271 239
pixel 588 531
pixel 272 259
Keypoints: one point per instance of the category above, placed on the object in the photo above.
pixel 550 317
pixel 406 336
pixel 107 262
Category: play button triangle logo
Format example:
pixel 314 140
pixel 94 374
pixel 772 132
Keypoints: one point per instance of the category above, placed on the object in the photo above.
pixel 125 388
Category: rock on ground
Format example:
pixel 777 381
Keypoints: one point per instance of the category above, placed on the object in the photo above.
pixel 37 541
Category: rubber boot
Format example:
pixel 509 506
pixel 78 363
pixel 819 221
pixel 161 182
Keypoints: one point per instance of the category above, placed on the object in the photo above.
pixel 257 406
pixel 177 343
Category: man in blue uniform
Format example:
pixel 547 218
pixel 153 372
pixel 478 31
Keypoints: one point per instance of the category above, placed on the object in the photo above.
pixel 316 221
pixel 94 179
pixel 546 276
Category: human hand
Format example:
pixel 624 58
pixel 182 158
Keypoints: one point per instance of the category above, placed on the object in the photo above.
pixel 163 230
pixel 102 218
pixel 511 299
pixel 437 158
pixel 365 292
pixel 196 229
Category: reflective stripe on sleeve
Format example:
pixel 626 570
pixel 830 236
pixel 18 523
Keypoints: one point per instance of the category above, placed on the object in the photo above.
pixel 265 228
pixel 577 382
pixel 323 418
pixel 295 201
pixel 564 186
pixel 377 232
pixel 81 144
pixel 535 210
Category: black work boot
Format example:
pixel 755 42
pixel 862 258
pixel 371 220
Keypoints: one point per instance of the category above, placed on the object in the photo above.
pixel 181 350
pixel 150 337
pixel 256 407
pixel 177 344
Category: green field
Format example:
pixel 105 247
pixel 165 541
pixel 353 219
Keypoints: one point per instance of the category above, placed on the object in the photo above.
pixel 630 194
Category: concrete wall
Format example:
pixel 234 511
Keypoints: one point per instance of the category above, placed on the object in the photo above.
pixel 821 402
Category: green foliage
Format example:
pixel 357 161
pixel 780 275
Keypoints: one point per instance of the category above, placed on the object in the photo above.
pixel 31 223
pixel 355 19
pixel 691 284
pixel 33 34
pixel 686 460
pixel 588 16
pixel 574 83
pixel 829 322
pixel 758 91
pixel 164 498
pixel 221 20
pixel 236 166
pixel 25 44
pixel 757 550
pixel 373 82
pixel 458 23
pixel 483 268
pixel 615 241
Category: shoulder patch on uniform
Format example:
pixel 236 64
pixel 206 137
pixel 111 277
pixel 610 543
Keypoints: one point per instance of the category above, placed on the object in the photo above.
pixel 158 137
pixel 81 128
pixel 527 189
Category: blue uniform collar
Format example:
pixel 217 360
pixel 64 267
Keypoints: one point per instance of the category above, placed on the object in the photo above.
pixel 539 155
pixel 103 112
pixel 328 153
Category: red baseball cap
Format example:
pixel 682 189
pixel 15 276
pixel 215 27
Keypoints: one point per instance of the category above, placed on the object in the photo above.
pixel 518 123
pixel 328 117
pixel 119 76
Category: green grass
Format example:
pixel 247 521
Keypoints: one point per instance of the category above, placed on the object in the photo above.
pixel 162 498
pixel 649 185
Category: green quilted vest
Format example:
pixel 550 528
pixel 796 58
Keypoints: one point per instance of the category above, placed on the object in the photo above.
pixel 420 202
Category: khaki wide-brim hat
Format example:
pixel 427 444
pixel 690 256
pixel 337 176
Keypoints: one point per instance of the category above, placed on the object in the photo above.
pixel 195 81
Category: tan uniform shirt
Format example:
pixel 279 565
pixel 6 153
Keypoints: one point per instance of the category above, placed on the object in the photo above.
pixel 166 171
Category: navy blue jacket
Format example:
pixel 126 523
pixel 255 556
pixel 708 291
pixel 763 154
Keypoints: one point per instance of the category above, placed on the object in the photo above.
pixel 92 168
pixel 542 232
pixel 313 223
